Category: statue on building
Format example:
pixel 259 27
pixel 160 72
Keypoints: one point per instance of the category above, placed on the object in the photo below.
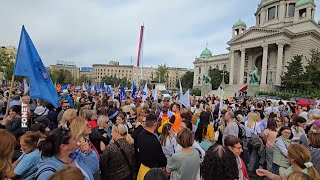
pixel 206 79
pixel 254 77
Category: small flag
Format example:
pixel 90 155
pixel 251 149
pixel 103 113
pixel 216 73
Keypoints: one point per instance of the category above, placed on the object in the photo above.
pixel 155 94
pixel 134 91
pixel 185 99
pixel 145 92
pixel 181 92
pixel 122 93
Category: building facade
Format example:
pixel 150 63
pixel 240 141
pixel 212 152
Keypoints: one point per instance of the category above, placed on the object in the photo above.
pixel 75 71
pixel 283 29
pixel 133 73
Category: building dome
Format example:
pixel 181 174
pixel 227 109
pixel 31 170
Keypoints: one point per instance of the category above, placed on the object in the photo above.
pixel 303 2
pixel 206 53
pixel 239 23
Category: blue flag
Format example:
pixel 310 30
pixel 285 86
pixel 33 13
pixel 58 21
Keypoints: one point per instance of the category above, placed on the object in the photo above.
pixel 28 63
pixel 134 91
pixel 122 93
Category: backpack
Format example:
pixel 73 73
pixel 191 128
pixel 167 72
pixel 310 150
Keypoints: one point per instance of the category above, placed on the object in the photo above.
pixel 242 132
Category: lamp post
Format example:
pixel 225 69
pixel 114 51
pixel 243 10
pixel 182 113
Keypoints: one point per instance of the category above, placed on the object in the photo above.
pixel 223 82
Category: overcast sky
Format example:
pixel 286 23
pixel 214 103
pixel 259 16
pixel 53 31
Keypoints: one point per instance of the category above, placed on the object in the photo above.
pixel 95 31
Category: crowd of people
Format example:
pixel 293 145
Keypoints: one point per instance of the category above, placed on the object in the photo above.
pixel 95 136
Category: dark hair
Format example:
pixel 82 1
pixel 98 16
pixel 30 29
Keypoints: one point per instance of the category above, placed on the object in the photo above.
pixel 188 124
pixel 203 125
pixel 285 128
pixel 217 161
pixel 16 109
pixel 155 174
pixel 231 141
pixel 51 145
pixel 272 124
pixel 187 116
pixel 172 119
pixel 150 119
pixel 177 105
pixel 165 133
pixel 300 120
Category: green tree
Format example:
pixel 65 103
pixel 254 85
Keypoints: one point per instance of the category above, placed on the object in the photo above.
pixel 216 76
pixel 114 81
pixel 5 59
pixel 186 80
pixel 294 78
pixel 83 79
pixel 312 75
pixel 63 76
pixel 162 74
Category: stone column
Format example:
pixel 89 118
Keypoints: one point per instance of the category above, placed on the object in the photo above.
pixel 264 65
pixel 241 75
pixel 279 63
pixel 231 66
pixel 309 13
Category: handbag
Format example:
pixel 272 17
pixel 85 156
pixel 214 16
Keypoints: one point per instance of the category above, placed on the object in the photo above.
pixel 132 173
pixel 255 140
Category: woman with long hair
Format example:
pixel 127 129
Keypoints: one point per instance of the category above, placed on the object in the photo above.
pixel 252 127
pixel 280 153
pixel 60 149
pixel 26 166
pixel 300 160
pixel 7 144
pixel 81 129
pixel 204 134
pixel 99 136
pixel 68 116
pixel 167 140
pixel 270 135
pixel 117 158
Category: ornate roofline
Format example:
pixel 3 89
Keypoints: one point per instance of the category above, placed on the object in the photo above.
pixel 277 31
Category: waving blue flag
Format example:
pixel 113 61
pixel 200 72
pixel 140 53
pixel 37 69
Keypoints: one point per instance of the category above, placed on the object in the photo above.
pixel 28 63
pixel 122 93
pixel 133 92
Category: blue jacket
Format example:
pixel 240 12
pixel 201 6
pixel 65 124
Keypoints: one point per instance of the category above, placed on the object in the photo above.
pixel 89 163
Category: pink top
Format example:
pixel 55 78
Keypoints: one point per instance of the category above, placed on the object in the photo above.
pixel 270 136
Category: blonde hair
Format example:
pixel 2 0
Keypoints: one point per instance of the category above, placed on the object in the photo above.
pixel 252 119
pixel 83 112
pixel 89 114
pixel 8 142
pixel 70 171
pixel 122 131
pixel 301 155
pixel 101 120
pixel 298 175
pixel 68 116
pixel 77 127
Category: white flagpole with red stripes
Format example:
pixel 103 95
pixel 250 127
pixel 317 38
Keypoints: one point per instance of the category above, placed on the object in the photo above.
pixel 140 51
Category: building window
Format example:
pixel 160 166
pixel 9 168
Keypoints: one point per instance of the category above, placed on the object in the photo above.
pixel 271 13
pixel 302 13
pixel 224 67
pixel 259 17
pixel 291 9
pixel 199 70
pixel 210 68
pixel 199 80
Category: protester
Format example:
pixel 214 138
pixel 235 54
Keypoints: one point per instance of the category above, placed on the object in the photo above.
pixel 26 166
pixel 68 171
pixel 184 164
pixel 7 144
pixel 300 158
pixel 149 149
pixel 59 149
pixel 168 141
pixel 219 162
pixel 117 158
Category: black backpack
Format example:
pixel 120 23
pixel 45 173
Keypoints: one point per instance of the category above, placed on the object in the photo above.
pixel 242 132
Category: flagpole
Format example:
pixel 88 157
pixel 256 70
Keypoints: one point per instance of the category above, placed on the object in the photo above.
pixel 10 93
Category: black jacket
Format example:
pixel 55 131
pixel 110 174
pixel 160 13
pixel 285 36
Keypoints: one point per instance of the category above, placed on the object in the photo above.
pixel 150 150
